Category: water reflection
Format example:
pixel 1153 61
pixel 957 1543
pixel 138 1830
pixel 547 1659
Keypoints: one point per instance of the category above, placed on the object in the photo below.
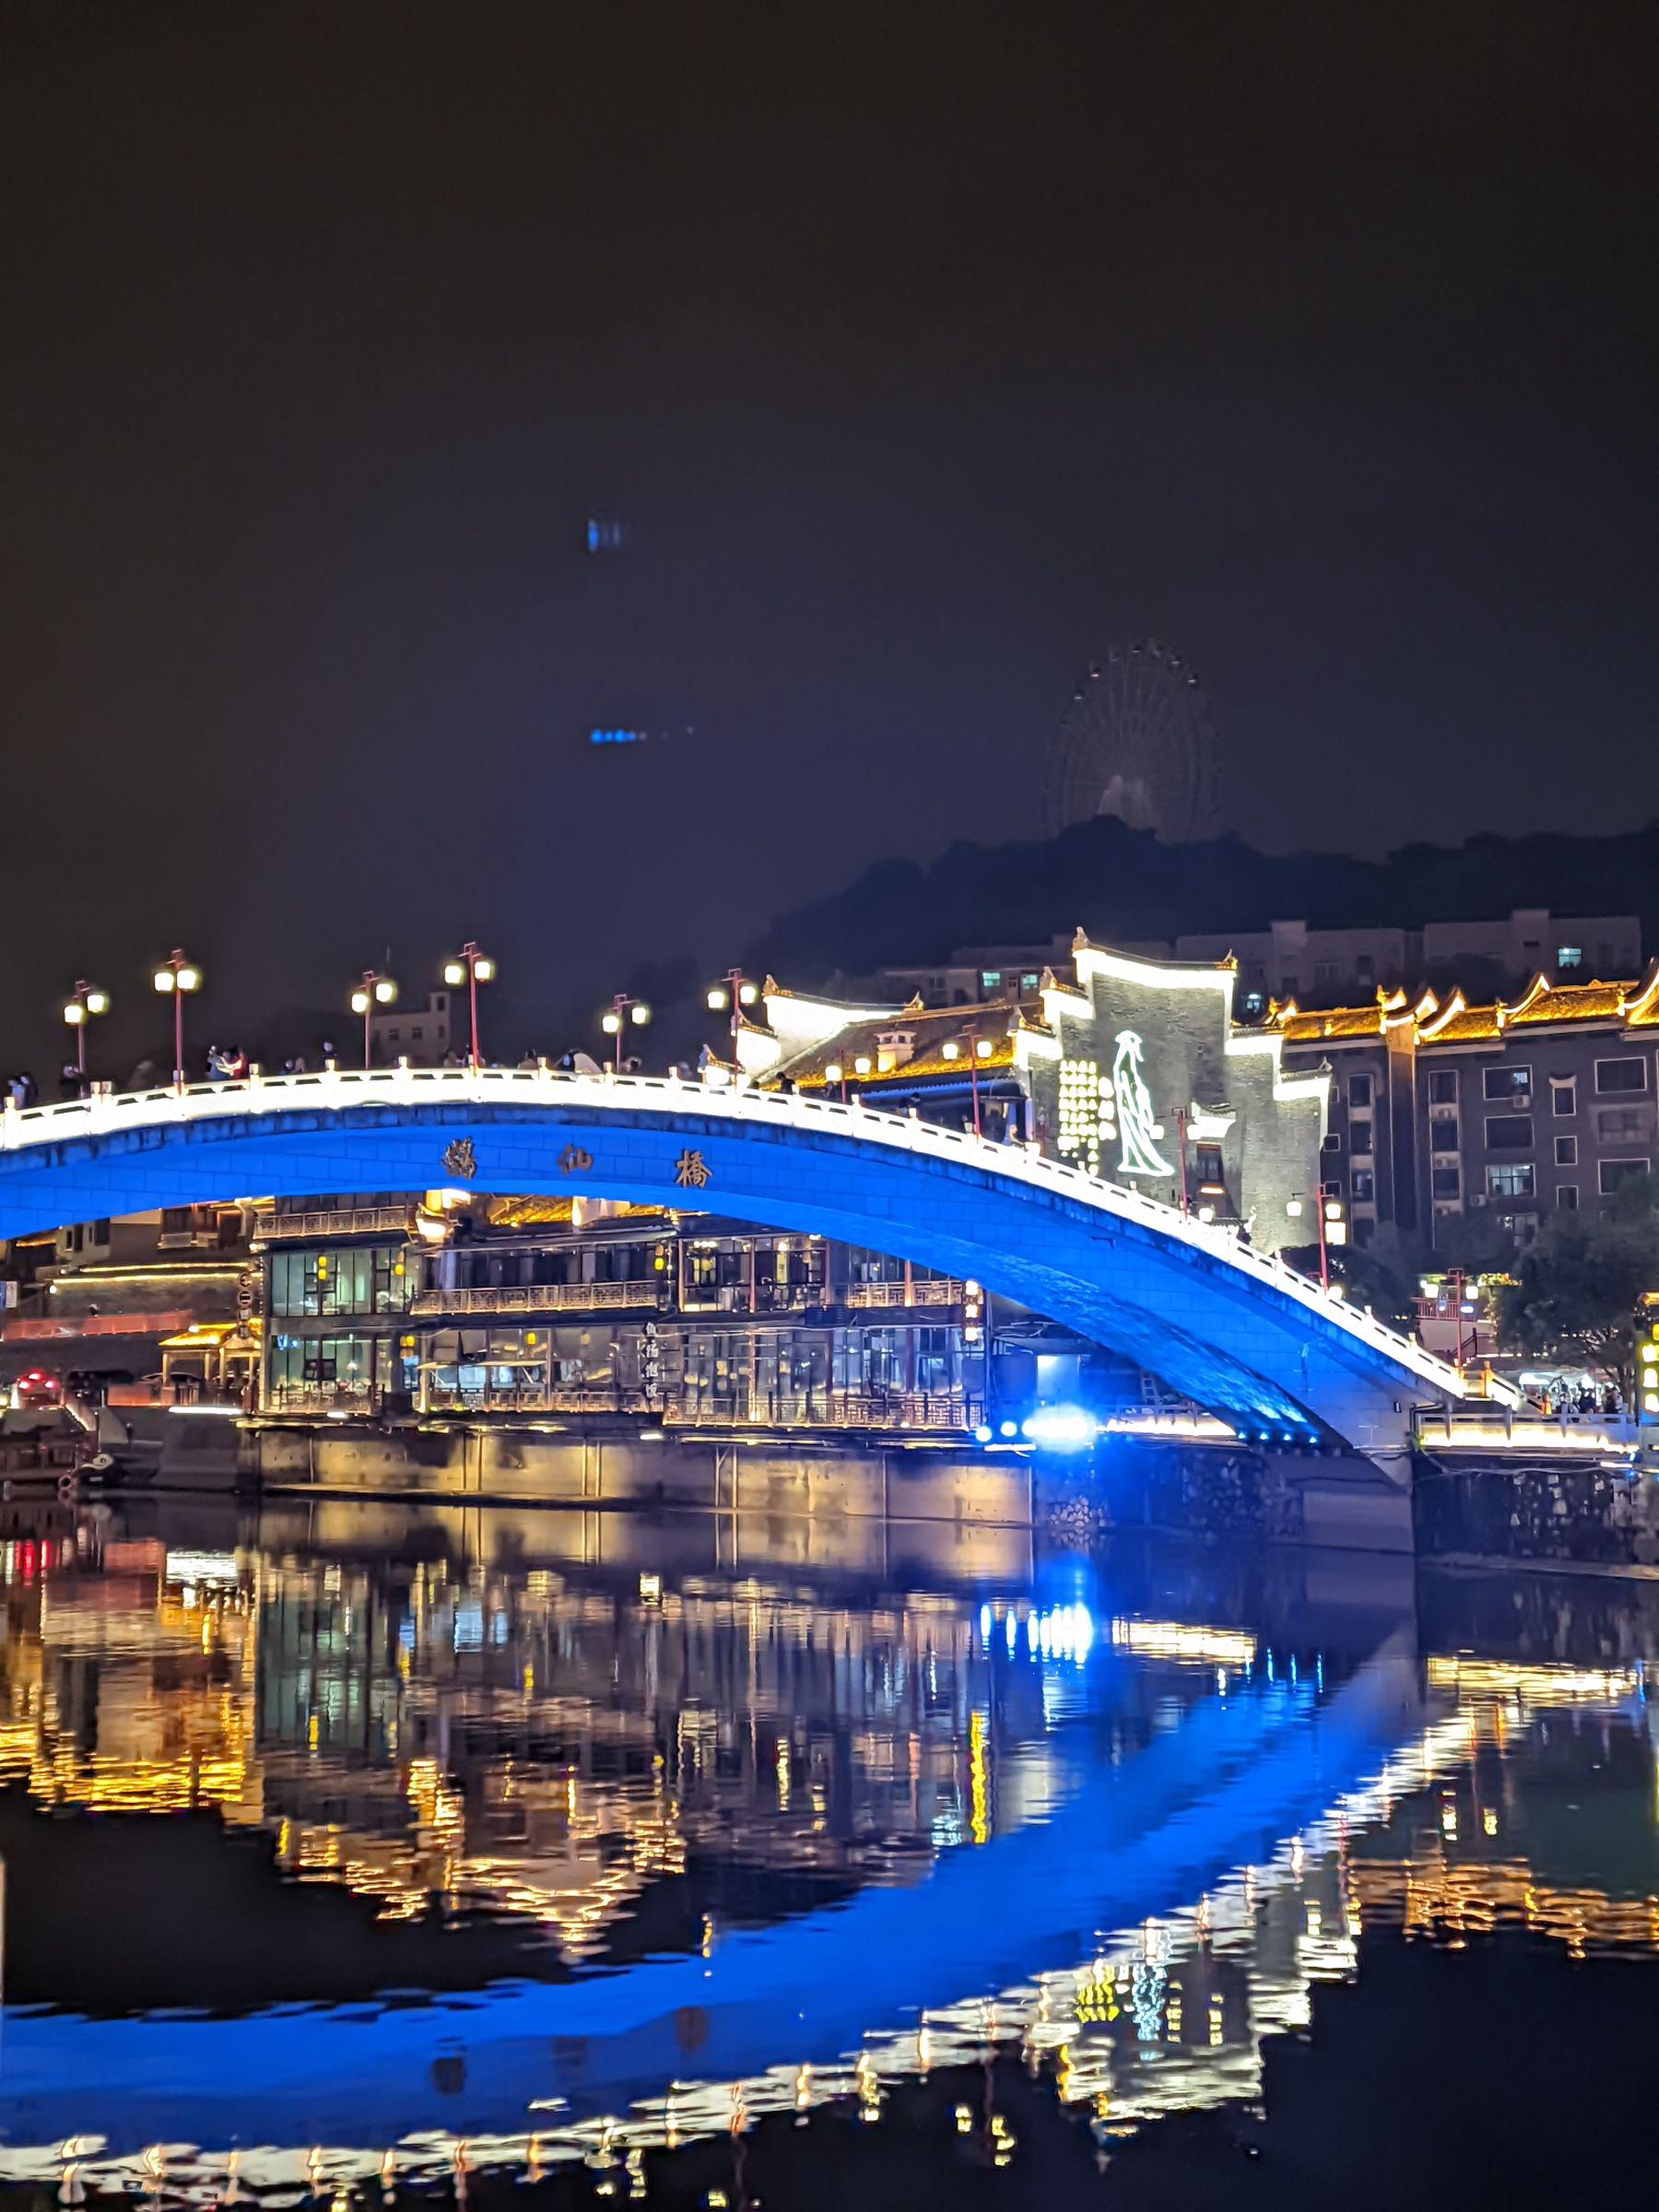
pixel 494 1832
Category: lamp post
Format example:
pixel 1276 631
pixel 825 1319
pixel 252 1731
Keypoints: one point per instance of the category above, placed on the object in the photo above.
pixel 375 990
pixel 177 974
pixel 835 1073
pixel 471 967
pixel 83 1002
pixel 1332 1230
pixel 736 992
pixel 615 1020
pixel 982 1050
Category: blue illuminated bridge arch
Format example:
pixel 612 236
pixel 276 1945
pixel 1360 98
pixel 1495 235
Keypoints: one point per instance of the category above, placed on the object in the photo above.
pixel 1232 1329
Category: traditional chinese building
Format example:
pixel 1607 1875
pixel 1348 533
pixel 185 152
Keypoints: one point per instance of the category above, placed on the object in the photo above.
pixel 457 1305
pixel 1138 1071
pixel 1508 1109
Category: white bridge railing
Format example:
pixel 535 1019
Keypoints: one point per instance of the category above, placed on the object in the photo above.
pixel 334 1089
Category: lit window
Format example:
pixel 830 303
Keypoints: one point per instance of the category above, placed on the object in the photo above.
pixel 1515 1182
pixel 1507 1082
pixel 1569 956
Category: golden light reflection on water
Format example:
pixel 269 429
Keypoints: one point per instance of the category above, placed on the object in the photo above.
pixel 526 1746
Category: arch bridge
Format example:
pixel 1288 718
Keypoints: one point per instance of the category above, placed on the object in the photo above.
pixel 1234 1330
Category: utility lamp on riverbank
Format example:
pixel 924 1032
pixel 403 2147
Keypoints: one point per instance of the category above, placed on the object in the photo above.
pixel 471 967
pixel 175 976
pixel 83 1002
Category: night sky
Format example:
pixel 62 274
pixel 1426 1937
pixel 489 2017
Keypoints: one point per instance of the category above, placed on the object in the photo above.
pixel 922 352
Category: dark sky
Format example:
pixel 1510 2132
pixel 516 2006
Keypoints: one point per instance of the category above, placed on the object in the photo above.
pixel 924 351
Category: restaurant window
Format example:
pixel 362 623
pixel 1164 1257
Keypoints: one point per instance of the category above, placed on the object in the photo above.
pixel 932 1360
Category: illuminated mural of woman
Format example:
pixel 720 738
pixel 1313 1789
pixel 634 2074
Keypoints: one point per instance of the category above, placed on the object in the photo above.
pixel 1140 1128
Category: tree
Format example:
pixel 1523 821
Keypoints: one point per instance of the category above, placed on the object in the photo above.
pixel 1377 1277
pixel 1577 1286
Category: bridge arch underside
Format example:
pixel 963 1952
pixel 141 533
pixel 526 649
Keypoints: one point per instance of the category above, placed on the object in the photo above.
pixel 1246 1351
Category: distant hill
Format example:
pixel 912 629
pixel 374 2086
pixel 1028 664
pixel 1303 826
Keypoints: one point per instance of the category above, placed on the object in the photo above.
pixel 1122 883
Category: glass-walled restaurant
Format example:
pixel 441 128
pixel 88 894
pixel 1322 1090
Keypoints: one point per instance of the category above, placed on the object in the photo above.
pixel 676 1319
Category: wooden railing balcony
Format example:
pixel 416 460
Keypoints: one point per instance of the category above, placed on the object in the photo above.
pixel 540 1298
pixel 319 1397
pixel 888 1411
pixel 928 1290
pixel 335 1221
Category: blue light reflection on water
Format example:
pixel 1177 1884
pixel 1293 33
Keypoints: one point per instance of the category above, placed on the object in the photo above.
pixel 1121 1842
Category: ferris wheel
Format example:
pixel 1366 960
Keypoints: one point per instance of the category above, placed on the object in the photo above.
pixel 1136 743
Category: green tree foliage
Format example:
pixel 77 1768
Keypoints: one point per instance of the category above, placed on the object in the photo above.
pixel 1379 1277
pixel 1576 1287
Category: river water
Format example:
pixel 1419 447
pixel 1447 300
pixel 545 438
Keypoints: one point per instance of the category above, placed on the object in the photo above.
pixel 355 1851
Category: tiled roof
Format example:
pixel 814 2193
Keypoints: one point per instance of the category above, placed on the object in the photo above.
pixel 1453 1021
pixel 1341 1021
pixel 1458 1024
pixel 931 1028
pixel 1575 1002
pixel 555 1212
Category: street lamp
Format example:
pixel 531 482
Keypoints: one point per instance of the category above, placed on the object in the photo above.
pixel 375 990
pixel 736 992
pixel 177 975
pixel 983 1050
pixel 622 1011
pixel 471 967
pixel 835 1073
pixel 1333 1229
pixel 84 1001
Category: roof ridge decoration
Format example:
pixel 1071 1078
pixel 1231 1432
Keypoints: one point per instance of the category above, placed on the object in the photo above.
pixel 1639 1007
pixel 1444 1016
